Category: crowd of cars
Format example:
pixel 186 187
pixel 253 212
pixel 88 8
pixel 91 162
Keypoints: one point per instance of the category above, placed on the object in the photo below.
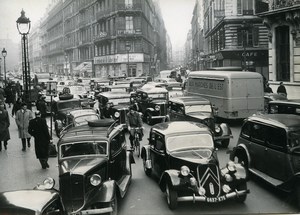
pixel 95 162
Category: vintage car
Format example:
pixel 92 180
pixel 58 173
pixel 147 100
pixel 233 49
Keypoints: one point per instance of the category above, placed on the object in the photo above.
pixel 152 103
pixel 75 118
pixel 94 167
pixel 169 82
pixel 113 105
pixel 182 155
pixel 43 199
pixel 60 110
pixel 269 147
pixel 291 106
pixel 199 109
pixel 268 97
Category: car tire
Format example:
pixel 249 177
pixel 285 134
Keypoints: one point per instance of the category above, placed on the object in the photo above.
pixel 114 205
pixel 149 120
pixel 225 143
pixel 146 170
pixel 241 186
pixel 171 197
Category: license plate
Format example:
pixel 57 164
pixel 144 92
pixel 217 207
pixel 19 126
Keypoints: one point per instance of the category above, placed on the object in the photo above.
pixel 216 199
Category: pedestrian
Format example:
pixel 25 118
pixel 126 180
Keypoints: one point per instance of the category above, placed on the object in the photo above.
pixel 17 106
pixel 9 95
pixel 4 125
pixel 18 89
pixel 268 89
pixel 23 116
pixel 281 89
pixel 41 106
pixel 39 130
pixel 2 94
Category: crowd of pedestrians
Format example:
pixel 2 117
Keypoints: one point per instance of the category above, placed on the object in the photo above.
pixel 29 124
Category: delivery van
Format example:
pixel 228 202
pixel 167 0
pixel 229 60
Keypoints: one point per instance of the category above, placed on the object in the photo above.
pixel 235 94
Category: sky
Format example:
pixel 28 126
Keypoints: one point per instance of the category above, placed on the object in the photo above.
pixel 177 15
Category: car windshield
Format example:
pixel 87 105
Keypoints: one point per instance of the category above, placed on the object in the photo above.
pixel 82 120
pixel 158 95
pixel 69 104
pixel 120 101
pixel 83 148
pixel 192 141
pixel 197 108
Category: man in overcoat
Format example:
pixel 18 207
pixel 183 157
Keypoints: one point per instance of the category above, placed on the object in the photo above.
pixel 4 125
pixel 39 130
pixel 23 116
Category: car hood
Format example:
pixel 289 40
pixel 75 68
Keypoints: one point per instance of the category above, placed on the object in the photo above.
pixel 200 115
pixel 81 166
pixel 195 156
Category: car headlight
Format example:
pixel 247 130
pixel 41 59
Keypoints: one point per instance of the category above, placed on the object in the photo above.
pixel 48 183
pixel 95 180
pixel 117 114
pixel 226 188
pixel 217 128
pixel 201 191
pixel 184 170
pixel 157 108
pixel 231 166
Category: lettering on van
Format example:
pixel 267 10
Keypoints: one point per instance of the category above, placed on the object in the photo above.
pixel 206 84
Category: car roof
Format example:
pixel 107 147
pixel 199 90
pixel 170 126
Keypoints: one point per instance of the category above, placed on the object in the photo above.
pixel 180 127
pixel 35 200
pixel 114 94
pixel 281 120
pixel 68 100
pixel 82 112
pixel 223 74
pixel 87 132
pixel 190 100
pixel 289 101
pixel 153 90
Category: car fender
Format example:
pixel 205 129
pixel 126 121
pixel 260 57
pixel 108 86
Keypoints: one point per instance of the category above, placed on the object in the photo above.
pixel 241 148
pixel 169 176
pixel 106 193
pixel 145 153
pixel 226 131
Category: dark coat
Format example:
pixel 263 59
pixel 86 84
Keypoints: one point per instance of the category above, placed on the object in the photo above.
pixel 41 106
pixel 4 124
pixel 9 95
pixel 39 130
pixel 17 106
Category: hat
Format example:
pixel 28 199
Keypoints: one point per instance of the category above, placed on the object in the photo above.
pixel 37 113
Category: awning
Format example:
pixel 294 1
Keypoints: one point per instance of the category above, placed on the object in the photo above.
pixel 84 66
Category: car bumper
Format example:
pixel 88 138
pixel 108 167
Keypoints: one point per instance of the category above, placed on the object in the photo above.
pixel 158 117
pixel 93 211
pixel 195 198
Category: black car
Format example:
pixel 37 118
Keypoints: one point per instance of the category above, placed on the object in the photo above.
pixel 183 157
pixel 43 199
pixel 152 103
pixel 291 106
pixel 199 109
pixel 61 109
pixel 94 167
pixel 113 105
pixel 269 147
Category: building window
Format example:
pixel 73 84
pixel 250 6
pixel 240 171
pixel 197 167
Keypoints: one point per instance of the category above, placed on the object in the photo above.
pixel 128 3
pixel 245 7
pixel 282 53
pixel 248 37
pixel 129 22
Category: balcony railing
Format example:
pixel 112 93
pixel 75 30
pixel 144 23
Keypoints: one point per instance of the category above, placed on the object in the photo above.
pixel 129 7
pixel 278 4
pixel 129 32
pixel 84 42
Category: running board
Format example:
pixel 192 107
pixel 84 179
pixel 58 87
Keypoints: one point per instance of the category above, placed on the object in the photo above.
pixel 273 181
pixel 123 184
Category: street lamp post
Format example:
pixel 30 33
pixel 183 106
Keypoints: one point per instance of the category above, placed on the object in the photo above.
pixel 66 67
pixel 23 26
pixel 128 47
pixel 245 27
pixel 4 53
pixel 0 69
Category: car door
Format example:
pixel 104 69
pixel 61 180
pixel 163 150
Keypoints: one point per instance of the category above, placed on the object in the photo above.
pixel 277 161
pixel 158 154
pixel 117 161
pixel 257 147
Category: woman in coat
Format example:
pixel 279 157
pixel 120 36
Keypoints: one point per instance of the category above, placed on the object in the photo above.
pixel 39 130
pixel 23 116
pixel 4 125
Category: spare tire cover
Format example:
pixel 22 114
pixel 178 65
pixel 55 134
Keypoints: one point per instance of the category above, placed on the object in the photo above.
pixel 101 122
pixel 66 96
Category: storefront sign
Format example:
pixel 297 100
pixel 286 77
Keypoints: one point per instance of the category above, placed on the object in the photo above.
pixel 119 58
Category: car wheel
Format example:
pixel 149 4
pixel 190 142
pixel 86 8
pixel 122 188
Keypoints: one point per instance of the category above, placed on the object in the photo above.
pixel 146 170
pixel 149 119
pixel 171 197
pixel 241 186
pixel 114 205
pixel 225 143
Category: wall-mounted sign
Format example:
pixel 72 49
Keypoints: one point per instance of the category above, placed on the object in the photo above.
pixel 119 58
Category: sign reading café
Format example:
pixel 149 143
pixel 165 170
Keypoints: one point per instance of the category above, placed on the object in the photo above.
pixel 119 58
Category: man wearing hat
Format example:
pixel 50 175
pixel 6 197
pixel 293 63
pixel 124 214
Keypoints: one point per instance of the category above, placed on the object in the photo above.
pixel 39 130
pixel 4 125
